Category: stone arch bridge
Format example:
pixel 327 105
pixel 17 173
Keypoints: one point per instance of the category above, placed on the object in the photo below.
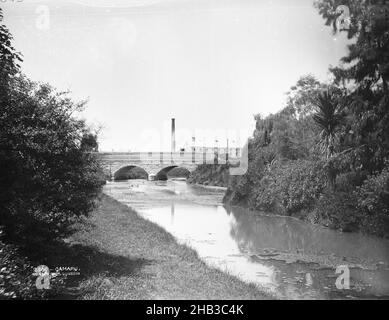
pixel 158 164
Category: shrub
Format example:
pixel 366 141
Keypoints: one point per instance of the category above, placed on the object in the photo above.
pixel 210 174
pixel 356 208
pixel 337 210
pixel 13 274
pixel 347 182
pixel 47 177
pixel 290 187
pixel 16 272
pixel 373 201
pixel 18 276
pixel 238 193
pixel 243 189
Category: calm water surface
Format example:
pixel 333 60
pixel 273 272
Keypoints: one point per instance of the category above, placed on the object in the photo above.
pixel 282 255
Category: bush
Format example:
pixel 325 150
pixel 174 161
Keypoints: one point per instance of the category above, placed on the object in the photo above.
pixel 48 178
pixel 337 210
pixel 347 182
pixel 238 192
pixel 243 189
pixel 210 174
pixel 15 274
pixel 290 187
pixel 18 276
pixel 373 202
pixel 351 207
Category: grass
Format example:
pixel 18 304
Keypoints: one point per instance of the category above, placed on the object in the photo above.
pixel 123 256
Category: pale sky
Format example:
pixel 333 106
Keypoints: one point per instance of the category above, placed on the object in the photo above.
pixel 210 64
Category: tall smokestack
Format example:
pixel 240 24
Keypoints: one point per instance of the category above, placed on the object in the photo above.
pixel 173 135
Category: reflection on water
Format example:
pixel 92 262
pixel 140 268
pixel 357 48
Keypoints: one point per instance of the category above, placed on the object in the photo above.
pixel 286 256
pixel 289 235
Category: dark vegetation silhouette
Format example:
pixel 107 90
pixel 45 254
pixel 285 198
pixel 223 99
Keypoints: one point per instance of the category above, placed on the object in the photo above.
pixel 210 174
pixel 49 176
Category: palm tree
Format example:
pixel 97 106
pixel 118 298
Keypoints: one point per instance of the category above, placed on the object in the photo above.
pixel 328 118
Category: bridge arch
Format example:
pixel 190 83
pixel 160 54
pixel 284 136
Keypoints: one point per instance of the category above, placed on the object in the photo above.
pixel 130 172
pixel 163 173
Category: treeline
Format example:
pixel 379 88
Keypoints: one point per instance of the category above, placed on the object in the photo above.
pixel 325 156
pixel 48 176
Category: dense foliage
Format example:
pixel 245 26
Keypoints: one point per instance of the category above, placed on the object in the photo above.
pixel 364 75
pixel 373 202
pixel 15 273
pixel 210 175
pixel 289 187
pixel 48 176
pixel 324 156
pixel 318 179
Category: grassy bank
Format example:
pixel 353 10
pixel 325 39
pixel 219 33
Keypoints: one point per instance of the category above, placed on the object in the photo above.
pixel 123 256
pixel 147 263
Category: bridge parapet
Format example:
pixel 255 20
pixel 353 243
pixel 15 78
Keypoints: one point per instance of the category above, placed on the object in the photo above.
pixel 154 162
pixel 170 157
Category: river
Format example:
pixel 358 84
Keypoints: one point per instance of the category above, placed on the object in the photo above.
pixel 284 256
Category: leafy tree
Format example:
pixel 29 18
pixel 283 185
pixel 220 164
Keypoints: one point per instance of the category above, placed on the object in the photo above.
pixel 9 59
pixel 47 179
pixel 291 133
pixel 364 73
pixel 347 119
pixel 299 98
pixel 89 142
pixel 368 60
